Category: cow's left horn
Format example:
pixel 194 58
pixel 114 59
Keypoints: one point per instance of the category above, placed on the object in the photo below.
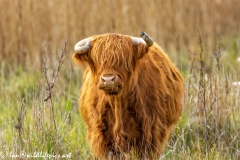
pixel 146 38
pixel 83 45
pixel 136 40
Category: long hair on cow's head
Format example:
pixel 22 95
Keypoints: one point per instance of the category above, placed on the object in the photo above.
pixel 113 51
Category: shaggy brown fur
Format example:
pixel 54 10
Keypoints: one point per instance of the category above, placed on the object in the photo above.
pixel 140 118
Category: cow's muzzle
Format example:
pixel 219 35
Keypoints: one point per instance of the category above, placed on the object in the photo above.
pixel 110 83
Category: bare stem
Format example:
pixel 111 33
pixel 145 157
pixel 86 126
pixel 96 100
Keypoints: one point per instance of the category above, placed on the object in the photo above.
pixel 202 91
pixel 19 125
pixel 50 84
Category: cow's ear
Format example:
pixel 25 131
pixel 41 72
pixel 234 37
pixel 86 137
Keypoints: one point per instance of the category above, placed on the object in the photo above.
pixel 82 59
pixel 140 50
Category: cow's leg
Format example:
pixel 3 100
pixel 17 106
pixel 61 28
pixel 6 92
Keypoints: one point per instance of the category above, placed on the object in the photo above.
pixel 127 156
pixel 118 156
pixel 110 155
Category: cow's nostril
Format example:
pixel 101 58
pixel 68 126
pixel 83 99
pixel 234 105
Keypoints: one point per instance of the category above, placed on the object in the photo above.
pixel 107 78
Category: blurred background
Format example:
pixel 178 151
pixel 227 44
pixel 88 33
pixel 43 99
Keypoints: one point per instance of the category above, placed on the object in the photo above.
pixel 201 37
pixel 28 27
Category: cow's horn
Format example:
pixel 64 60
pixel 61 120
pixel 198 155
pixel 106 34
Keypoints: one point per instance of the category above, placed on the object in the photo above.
pixel 146 38
pixel 136 40
pixel 83 45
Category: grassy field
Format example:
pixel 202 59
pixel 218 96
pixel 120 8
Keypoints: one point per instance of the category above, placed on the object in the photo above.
pixel 39 84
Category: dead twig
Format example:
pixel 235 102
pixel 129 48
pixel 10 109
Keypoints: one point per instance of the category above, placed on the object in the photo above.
pixel 51 84
pixel 20 118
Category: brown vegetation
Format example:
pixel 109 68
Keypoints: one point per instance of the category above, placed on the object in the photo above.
pixel 200 37
pixel 29 27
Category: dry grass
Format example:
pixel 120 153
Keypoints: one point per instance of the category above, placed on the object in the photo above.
pixel 201 37
pixel 28 27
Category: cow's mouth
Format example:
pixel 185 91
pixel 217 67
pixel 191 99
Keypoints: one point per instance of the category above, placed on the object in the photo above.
pixel 112 90
pixel 110 83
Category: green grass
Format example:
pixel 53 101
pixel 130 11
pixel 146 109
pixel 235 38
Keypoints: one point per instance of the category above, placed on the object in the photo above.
pixel 26 89
pixel 27 124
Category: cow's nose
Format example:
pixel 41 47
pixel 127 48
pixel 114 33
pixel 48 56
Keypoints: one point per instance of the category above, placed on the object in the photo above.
pixel 110 83
pixel 107 79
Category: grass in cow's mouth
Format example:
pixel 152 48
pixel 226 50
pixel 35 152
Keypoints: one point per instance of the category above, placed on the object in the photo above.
pixel 112 90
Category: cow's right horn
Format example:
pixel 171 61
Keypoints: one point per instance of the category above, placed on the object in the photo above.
pixel 83 46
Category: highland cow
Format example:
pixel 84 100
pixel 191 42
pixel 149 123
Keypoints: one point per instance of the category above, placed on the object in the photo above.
pixel 131 95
